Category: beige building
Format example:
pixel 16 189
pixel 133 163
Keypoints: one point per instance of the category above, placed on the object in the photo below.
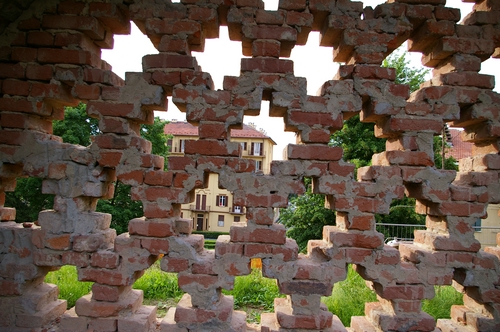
pixel 213 208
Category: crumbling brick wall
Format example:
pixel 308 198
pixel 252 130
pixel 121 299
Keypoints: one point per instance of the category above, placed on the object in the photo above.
pixel 50 58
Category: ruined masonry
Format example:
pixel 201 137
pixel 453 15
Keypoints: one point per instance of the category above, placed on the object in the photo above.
pixel 50 58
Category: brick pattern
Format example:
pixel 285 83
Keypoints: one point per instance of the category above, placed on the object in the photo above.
pixel 51 59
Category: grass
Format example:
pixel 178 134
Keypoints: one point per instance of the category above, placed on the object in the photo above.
pixel 70 289
pixel 160 288
pixel 439 307
pixel 253 293
pixel 349 297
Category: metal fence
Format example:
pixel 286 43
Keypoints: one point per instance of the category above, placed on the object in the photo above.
pixel 395 234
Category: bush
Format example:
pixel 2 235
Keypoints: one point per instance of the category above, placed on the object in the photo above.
pixel 210 244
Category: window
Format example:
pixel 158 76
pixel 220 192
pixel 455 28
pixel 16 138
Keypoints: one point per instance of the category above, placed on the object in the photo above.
pixel 221 200
pixel 258 165
pixel 243 146
pixel 221 221
pixel 236 219
pixel 237 209
pixel 182 144
pixel 256 149
pixel 477 225
pixel 169 144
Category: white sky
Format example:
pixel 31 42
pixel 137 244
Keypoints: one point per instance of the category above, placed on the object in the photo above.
pixel 222 58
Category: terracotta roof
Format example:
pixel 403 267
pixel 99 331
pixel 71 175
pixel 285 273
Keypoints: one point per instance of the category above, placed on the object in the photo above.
pixel 182 128
pixel 459 149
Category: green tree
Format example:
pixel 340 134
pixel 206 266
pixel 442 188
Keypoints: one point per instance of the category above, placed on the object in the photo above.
pixel 305 216
pixel 77 127
pixel 405 73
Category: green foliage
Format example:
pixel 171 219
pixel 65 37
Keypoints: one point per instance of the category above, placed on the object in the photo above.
pixel 210 244
pixel 159 285
pixel 439 307
pixel 28 199
pixel 121 207
pixel 156 135
pixel 70 289
pixel 349 297
pixel 405 74
pixel 305 217
pixel 77 127
pixel 450 162
pixel 358 141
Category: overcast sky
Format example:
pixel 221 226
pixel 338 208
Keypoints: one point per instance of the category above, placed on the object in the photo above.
pixel 222 58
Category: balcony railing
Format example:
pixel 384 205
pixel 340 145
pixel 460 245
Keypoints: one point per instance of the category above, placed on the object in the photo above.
pixel 237 210
pixel 199 208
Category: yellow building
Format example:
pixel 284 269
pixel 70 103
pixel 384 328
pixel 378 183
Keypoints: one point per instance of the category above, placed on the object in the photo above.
pixel 213 208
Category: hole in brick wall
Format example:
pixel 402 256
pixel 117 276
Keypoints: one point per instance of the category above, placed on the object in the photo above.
pixel 28 200
pixel 306 215
pixel 161 289
pixel 135 46
pixel 445 297
pixel 271 4
pixel 343 303
pixel 254 294
pixel 70 288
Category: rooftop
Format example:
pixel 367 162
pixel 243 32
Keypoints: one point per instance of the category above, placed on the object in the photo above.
pixel 183 128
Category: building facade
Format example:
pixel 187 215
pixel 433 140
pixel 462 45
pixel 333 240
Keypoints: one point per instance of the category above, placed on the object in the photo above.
pixel 213 208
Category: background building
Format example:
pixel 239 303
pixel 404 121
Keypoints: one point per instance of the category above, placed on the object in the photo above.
pixel 213 208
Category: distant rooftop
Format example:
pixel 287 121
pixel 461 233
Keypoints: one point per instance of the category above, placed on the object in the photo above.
pixel 183 128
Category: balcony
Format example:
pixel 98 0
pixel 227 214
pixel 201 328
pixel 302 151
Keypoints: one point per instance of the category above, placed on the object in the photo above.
pixel 199 208
pixel 237 210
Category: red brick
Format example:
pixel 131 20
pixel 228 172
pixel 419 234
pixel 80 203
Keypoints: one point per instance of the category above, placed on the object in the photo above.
pixel 267 65
pixel 105 259
pixel 314 152
pixel 109 158
pixel 86 92
pixel 155 228
pixel 305 287
pixel 24 54
pixel 108 293
pixel 40 38
pixel 113 18
pixel 58 242
pixel 155 246
pixel 8 70
pixel 88 25
pixel 79 259
pixel 352 239
pixel 273 234
pixel 168 61
pixel 176 163
pixel 74 57
pixel 158 178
